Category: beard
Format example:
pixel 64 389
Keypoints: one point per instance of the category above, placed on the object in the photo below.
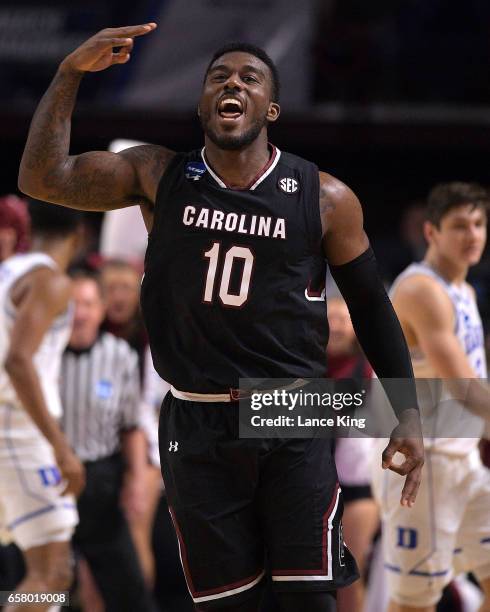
pixel 232 142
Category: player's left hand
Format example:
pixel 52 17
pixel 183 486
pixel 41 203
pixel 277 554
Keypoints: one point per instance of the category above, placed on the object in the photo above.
pixel 407 439
pixel 97 53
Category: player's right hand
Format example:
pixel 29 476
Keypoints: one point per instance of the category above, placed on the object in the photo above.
pixel 72 470
pixel 406 439
pixel 97 53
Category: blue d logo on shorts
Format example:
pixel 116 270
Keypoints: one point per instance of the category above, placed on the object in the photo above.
pixel 50 476
pixel 406 537
pixel 103 389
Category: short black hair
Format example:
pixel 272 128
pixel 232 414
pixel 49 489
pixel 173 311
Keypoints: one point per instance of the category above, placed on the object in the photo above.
pixel 53 221
pixel 255 51
pixel 446 196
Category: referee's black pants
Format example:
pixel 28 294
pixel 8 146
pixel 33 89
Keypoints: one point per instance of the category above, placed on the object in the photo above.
pixel 103 538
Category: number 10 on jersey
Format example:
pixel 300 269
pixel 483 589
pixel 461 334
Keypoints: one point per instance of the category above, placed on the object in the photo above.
pixel 224 275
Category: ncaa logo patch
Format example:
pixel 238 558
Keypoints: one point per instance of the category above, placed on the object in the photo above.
pixel 288 185
pixel 194 170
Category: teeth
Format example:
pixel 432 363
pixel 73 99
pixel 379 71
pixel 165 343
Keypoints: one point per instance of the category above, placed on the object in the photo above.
pixel 231 101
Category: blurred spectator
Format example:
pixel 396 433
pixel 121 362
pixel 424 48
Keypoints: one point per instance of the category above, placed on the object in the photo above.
pixel 121 283
pixel 344 356
pixel 154 390
pixel 102 419
pixel 352 455
pixel 15 226
pixel 411 231
pixel 396 252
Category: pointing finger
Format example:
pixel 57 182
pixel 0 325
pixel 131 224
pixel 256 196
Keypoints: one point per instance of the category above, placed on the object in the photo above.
pixel 131 31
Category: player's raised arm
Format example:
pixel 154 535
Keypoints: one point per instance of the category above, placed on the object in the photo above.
pixel 98 180
pixel 353 266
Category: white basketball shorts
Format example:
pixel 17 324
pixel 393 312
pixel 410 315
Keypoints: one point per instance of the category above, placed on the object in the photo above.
pixel 32 510
pixel 446 532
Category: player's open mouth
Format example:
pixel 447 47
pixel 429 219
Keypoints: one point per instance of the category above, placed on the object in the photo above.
pixel 230 108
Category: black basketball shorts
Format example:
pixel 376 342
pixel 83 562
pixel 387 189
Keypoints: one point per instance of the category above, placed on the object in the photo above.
pixel 237 502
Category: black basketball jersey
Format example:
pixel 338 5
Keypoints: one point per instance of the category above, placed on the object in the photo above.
pixel 234 279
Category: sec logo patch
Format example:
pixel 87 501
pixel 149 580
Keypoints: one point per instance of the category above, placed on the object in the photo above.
pixel 288 185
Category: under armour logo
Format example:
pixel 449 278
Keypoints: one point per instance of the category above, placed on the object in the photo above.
pixel 173 447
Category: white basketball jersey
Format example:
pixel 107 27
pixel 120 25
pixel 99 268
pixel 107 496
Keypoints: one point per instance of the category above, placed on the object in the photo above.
pixel 445 416
pixel 47 359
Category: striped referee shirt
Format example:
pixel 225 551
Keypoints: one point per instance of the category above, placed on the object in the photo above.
pixel 100 394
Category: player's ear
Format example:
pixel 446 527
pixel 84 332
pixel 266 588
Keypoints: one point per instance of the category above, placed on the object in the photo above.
pixel 428 230
pixel 273 111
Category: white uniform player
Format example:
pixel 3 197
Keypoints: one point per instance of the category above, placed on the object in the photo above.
pixel 448 529
pixel 31 506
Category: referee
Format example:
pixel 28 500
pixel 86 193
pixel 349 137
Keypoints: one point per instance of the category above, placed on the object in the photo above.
pixel 100 390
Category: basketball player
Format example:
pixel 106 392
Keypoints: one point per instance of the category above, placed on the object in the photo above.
pixel 233 287
pixel 447 531
pixel 39 474
pixel 14 238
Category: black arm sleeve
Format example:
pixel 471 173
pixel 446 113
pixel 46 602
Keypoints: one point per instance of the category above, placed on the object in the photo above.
pixel 377 328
